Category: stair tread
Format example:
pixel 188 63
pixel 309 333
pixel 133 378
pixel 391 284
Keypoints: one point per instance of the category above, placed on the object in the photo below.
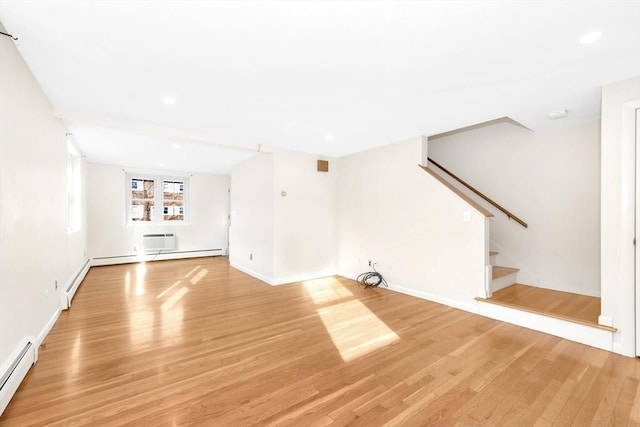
pixel 492 253
pixel 498 271
pixel 575 308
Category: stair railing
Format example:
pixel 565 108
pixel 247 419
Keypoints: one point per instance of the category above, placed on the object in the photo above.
pixel 496 205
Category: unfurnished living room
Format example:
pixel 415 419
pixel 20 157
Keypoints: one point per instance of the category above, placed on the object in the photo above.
pixel 230 213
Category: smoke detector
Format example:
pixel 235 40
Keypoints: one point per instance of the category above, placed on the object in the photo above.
pixel 555 115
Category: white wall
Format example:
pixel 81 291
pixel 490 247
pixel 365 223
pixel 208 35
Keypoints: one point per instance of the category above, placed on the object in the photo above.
pixel 617 210
pixel 111 236
pixel 292 237
pixel 391 211
pixel 251 231
pixel 35 248
pixel 550 179
pixel 305 219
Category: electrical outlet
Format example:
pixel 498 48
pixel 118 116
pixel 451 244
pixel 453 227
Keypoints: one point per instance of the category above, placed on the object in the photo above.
pixel 370 263
pixel 250 257
pixel 55 284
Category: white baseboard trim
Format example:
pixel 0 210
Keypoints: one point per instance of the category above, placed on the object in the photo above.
pixel 294 279
pixel 588 335
pixel 73 286
pixel 470 307
pixel 45 331
pixel 617 348
pixel 162 256
pixel 605 320
pixel 252 273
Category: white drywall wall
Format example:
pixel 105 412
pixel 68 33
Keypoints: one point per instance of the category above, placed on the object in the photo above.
pixel 252 212
pixel 550 179
pixel 304 219
pixel 111 236
pixel 617 210
pixel 399 216
pixel 282 239
pixel 35 248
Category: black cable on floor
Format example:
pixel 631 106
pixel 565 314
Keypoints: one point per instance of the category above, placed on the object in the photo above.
pixel 371 279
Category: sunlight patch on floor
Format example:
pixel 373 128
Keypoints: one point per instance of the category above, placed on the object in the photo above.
pixel 174 299
pixel 193 270
pixel 141 271
pixel 75 354
pixel 326 290
pixel 354 329
pixel 127 282
pixel 166 291
pixel 195 279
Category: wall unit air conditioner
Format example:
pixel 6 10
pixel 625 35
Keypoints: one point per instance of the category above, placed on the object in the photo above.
pixel 158 242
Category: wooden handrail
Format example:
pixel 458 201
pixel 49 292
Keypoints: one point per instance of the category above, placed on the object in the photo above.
pixel 503 210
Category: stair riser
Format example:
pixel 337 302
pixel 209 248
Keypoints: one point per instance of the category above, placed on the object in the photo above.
pixel 503 282
pixel 572 331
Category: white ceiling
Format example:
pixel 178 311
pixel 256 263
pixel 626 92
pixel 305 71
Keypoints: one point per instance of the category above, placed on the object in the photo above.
pixel 326 77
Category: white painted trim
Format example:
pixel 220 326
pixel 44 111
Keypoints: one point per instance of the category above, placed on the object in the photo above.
pixel 75 284
pixel 561 328
pixel 19 372
pixel 294 279
pixel 162 256
pixel 470 307
pixel 605 321
pixel 281 281
pixel 617 347
pixel 625 314
pixel 45 331
pixel 252 273
pixel 487 292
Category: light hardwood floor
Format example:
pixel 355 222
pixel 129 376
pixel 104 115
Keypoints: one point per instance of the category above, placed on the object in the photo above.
pixel 197 342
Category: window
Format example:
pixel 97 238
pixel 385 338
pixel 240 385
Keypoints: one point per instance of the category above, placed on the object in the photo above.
pixel 74 194
pixel 146 193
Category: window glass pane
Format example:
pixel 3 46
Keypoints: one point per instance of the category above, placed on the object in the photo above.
pixel 142 210
pixel 173 190
pixel 173 200
pixel 142 189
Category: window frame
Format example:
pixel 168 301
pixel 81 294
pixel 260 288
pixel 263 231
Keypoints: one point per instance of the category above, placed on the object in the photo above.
pixel 158 198
pixel 74 188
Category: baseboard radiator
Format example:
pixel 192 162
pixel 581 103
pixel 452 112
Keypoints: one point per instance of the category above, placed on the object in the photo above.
pixel 158 242
pixel 75 283
pixel 15 373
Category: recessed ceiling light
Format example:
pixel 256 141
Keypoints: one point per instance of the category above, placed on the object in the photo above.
pixel 161 164
pixel 328 137
pixel 168 100
pixel 177 146
pixel 591 37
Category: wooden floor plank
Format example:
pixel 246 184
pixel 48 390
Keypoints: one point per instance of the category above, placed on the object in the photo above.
pixel 196 342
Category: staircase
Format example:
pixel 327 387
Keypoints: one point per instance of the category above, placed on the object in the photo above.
pixel 563 314
pixel 535 308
